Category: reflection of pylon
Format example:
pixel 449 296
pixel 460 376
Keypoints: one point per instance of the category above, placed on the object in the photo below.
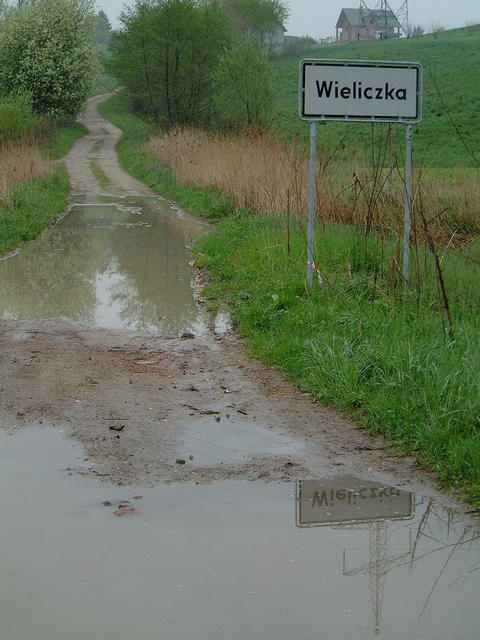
pixel 377 567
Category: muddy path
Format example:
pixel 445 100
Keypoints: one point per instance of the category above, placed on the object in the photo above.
pixel 150 409
pixel 99 147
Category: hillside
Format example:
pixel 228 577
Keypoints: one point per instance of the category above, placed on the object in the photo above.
pixel 451 62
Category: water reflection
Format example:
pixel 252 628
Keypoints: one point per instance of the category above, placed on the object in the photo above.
pixel 114 265
pixel 423 551
pixel 222 560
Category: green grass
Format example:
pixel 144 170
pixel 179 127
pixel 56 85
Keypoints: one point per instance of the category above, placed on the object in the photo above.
pixel 452 59
pixel 16 118
pixel 384 360
pixel 142 165
pixel 99 174
pixel 62 138
pixel 35 205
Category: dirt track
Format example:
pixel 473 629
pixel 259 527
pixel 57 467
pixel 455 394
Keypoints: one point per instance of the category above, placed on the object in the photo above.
pixel 134 401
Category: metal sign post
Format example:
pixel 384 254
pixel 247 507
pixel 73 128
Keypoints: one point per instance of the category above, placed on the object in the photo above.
pixel 360 91
pixel 408 202
pixel 311 202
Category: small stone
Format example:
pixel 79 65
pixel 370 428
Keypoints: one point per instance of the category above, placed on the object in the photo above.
pixel 180 461
pixel 125 510
pixel 117 427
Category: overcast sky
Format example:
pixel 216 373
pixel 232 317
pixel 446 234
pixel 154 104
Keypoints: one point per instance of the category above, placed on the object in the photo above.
pixel 317 18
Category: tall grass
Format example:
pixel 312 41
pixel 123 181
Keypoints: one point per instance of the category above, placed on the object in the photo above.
pixel 20 161
pixel 16 118
pixel 33 192
pixel 266 175
pixel 20 155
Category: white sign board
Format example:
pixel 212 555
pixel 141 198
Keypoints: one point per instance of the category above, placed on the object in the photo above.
pixel 349 500
pixel 350 90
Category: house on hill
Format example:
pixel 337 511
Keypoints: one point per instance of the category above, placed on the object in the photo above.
pixel 366 24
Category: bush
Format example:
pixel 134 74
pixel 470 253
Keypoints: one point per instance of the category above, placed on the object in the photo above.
pixel 244 86
pixel 47 50
pixel 16 117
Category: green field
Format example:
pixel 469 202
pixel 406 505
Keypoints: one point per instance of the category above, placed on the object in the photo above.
pixel 451 78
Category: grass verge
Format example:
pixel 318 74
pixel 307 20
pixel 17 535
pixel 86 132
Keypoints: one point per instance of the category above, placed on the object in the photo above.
pixel 63 137
pixel 381 359
pixel 36 202
pixel 99 174
pixel 34 205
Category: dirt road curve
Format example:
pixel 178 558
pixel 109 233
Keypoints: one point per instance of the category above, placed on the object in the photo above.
pixel 99 146
pixel 150 410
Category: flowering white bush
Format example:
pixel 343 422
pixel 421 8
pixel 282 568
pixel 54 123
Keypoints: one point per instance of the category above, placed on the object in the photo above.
pixel 47 49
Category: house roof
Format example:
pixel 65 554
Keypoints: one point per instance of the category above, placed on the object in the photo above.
pixel 353 16
pixel 360 18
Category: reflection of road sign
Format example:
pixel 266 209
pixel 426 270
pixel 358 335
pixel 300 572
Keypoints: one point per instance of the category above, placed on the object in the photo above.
pixel 350 90
pixel 349 501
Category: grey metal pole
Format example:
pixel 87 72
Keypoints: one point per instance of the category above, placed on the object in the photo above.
pixel 408 202
pixel 311 204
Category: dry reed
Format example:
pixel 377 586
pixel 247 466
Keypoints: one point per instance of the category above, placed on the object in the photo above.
pixel 259 172
pixel 20 161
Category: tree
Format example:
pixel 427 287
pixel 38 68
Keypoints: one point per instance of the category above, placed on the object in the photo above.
pixel 257 19
pixel 244 86
pixel 47 50
pixel 417 31
pixel 166 54
pixel 104 29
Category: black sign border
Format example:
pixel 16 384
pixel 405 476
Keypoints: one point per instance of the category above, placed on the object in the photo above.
pixel 362 64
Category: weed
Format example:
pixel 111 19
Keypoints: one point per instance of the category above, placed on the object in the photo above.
pixel 99 174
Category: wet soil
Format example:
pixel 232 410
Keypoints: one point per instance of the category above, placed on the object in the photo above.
pixel 150 407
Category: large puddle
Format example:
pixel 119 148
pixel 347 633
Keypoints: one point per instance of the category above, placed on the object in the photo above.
pixel 206 442
pixel 113 265
pixel 338 559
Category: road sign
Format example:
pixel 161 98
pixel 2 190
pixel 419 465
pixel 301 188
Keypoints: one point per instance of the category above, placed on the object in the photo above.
pixel 353 90
pixel 360 91
pixel 349 501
